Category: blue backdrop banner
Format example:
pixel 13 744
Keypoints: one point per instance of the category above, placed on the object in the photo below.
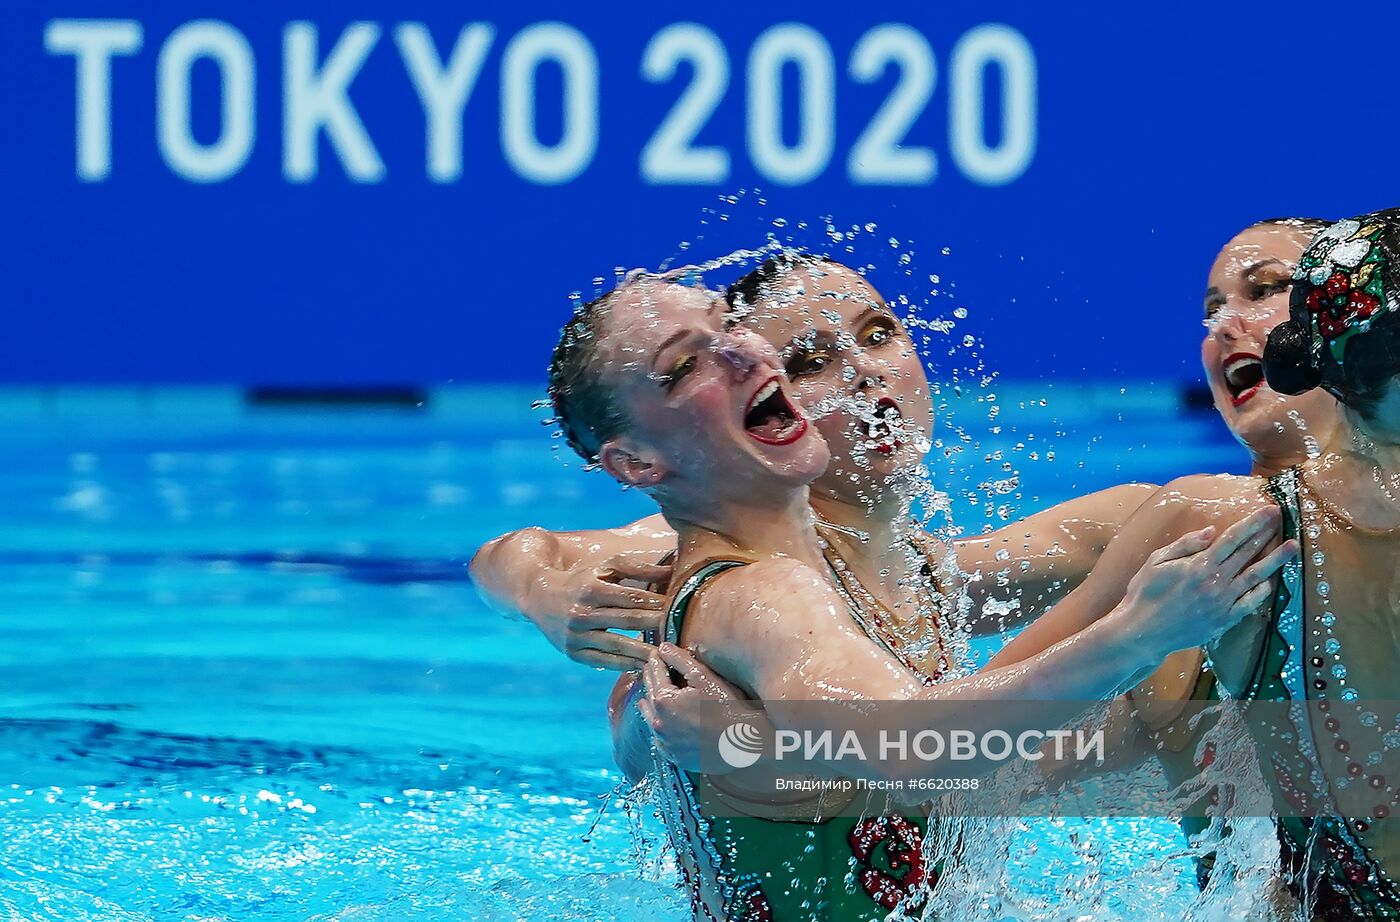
pixel 369 193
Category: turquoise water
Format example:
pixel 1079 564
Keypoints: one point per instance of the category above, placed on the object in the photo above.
pixel 245 675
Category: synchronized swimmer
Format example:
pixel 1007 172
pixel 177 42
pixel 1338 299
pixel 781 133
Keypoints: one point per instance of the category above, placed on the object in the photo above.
pixel 798 573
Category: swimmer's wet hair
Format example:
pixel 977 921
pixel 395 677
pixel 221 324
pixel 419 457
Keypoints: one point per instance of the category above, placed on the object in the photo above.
pixel 1313 226
pixel 1355 367
pixel 583 404
pixel 755 286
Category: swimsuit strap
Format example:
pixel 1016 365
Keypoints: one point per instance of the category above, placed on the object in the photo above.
pixel 1283 630
pixel 680 603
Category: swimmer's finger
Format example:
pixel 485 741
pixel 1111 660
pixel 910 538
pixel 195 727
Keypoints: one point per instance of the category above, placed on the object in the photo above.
pixel 649 714
pixel 1262 571
pixel 612 595
pixel 655 677
pixel 615 619
pixel 1193 542
pixel 605 660
pixel 1251 601
pixel 1252 548
pixel 644 570
pixel 1238 534
pixel 618 645
pixel 696 674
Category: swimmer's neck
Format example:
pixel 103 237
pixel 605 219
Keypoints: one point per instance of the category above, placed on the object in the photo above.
pixel 776 526
pixel 1317 430
pixel 1268 467
pixel 884 523
pixel 1374 440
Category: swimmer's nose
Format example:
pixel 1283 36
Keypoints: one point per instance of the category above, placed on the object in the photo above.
pixel 1228 324
pixel 869 382
pixel 740 351
pixel 869 372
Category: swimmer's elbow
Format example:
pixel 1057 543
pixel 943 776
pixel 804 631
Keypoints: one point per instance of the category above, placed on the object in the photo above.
pixel 502 566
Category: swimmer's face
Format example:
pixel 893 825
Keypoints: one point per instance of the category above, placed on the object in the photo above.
pixel 1247 297
pixel 854 367
pixel 708 409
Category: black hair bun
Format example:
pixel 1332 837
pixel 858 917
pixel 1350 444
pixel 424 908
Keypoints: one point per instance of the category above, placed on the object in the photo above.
pixel 1288 360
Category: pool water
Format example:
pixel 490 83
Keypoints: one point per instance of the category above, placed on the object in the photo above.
pixel 245 675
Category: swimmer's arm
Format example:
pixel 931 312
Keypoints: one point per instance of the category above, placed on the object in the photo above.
pixel 1038 560
pixel 1123 746
pixel 568 584
pixel 827 659
pixel 1150 718
pixel 1164 517
pixel 1173 511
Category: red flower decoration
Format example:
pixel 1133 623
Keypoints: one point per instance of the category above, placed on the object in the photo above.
pixel 1361 305
pixel 1337 305
pixel 1331 326
pixel 903 849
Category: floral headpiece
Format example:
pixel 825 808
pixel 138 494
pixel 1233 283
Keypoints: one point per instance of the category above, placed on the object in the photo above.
pixel 1344 268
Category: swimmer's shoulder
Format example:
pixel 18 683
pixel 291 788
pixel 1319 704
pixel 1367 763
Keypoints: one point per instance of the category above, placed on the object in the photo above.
pixel 1198 500
pixel 756 614
pixel 763 589
pixel 762 598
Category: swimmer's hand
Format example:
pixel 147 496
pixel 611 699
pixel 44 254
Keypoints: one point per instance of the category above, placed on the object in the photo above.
pixel 685 718
pixel 570 586
pixel 580 610
pixel 1196 588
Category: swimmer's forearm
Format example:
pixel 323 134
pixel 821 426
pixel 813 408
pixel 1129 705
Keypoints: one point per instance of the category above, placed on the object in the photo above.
pixel 1043 557
pixel 515 572
pixel 1098 662
pixel 1063 681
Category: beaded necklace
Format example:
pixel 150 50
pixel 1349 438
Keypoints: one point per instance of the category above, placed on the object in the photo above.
pixel 876 619
pixel 1329 670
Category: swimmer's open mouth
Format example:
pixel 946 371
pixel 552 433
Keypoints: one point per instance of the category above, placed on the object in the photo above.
pixel 1244 376
pixel 771 418
pixel 882 432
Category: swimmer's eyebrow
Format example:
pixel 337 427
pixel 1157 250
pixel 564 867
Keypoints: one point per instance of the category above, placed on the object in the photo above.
pixel 809 337
pixel 872 311
pixel 1249 270
pixel 668 343
pixel 679 335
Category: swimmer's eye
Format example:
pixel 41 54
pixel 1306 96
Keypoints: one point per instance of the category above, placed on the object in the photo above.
pixel 1262 290
pixel 877 333
pixel 1213 305
pixel 807 363
pixel 683 366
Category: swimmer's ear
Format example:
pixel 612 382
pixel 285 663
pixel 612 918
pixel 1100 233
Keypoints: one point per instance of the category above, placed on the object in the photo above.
pixel 630 465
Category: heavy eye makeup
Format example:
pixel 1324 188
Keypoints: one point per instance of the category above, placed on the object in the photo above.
pixel 805 363
pixel 810 355
pixel 1257 288
pixel 681 366
pixel 816 353
pixel 877 331
pixel 1214 302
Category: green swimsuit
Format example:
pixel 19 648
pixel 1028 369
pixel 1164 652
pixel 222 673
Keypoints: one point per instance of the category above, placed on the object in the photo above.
pixel 802 869
pixel 1325 856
